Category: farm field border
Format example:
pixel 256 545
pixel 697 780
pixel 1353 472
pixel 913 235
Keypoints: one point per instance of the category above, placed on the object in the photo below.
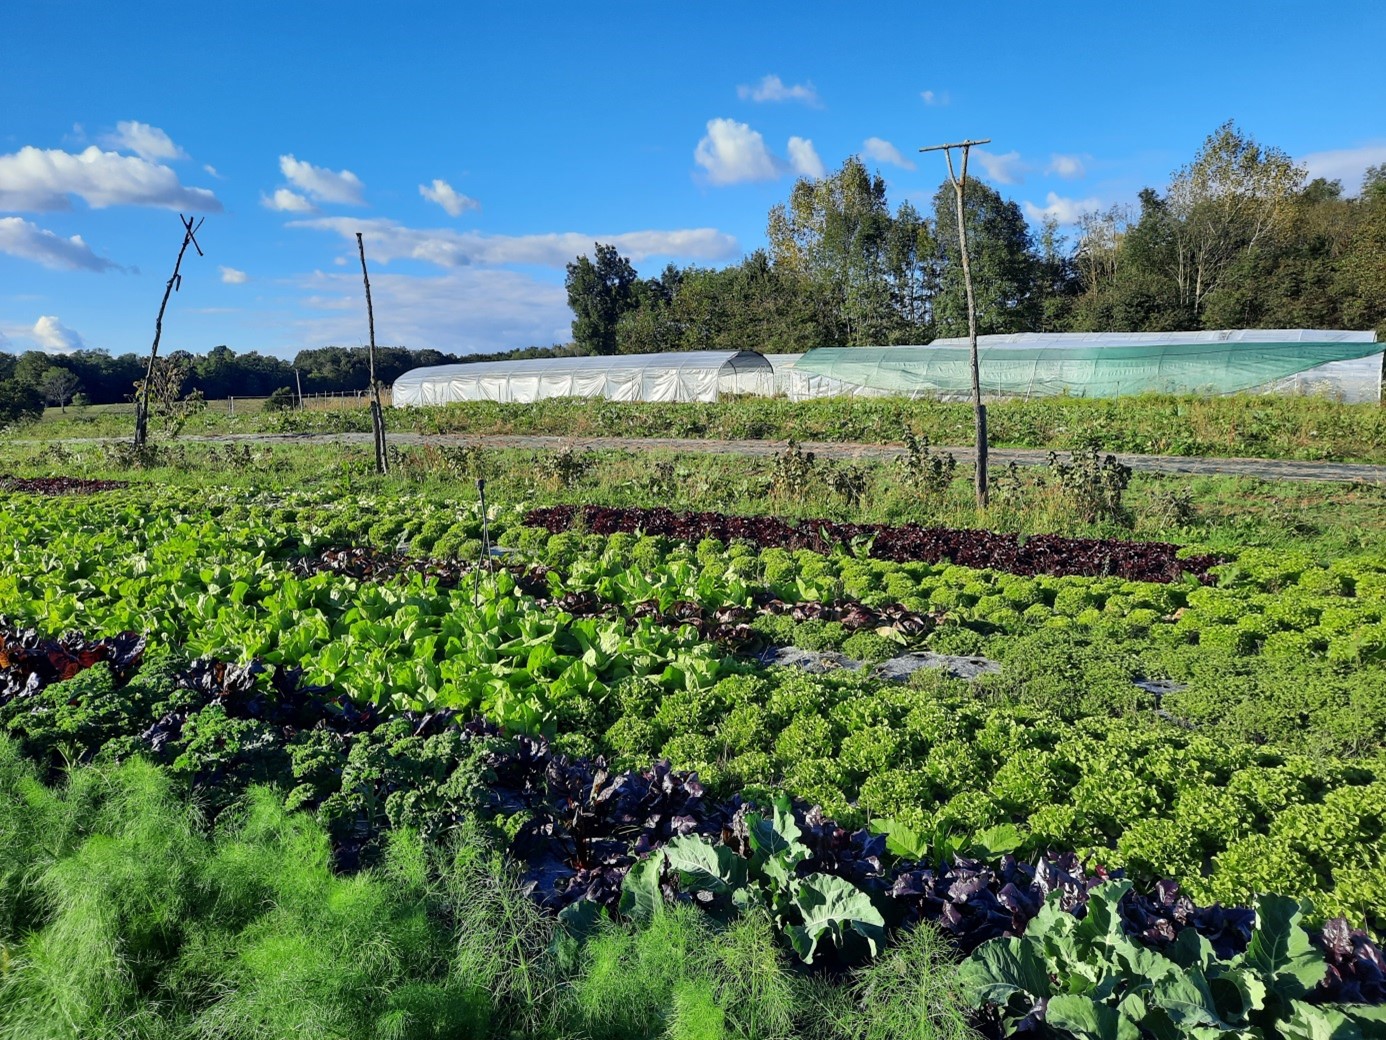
pixel 1263 469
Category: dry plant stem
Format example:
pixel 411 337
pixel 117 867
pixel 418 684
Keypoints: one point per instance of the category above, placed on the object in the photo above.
pixel 174 282
pixel 382 463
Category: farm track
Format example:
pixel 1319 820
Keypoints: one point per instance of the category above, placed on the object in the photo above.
pixel 1263 469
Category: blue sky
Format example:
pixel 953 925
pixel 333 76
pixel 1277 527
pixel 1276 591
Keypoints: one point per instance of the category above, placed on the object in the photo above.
pixel 480 147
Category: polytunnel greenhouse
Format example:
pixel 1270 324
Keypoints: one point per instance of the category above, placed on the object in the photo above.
pixel 702 375
pixel 1344 365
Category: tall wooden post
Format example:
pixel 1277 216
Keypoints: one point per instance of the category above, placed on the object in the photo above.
pixel 979 409
pixel 175 282
pixel 382 462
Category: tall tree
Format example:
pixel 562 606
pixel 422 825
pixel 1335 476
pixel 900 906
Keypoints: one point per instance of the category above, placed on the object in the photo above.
pixel 58 385
pixel 599 293
pixel 1004 264
pixel 1225 203
pixel 834 231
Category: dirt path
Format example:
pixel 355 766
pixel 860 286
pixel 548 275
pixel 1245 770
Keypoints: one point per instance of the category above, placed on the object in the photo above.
pixel 1264 469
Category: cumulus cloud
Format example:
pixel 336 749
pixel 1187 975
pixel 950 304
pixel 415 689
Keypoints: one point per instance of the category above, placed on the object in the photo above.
pixel 447 248
pixel 933 97
pixel 881 150
pixel 46 179
pixel 286 201
pixel 772 88
pixel 443 193
pixel 733 153
pixel 231 276
pixel 1069 167
pixel 475 310
pixel 18 237
pixel 1065 211
pixel 323 185
pixel 53 336
pixel 148 142
pixel 803 158
pixel 1003 169
pixel 1345 164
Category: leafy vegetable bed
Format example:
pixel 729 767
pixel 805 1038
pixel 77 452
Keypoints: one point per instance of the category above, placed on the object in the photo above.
pixel 58 485
pixel 593 840
pixel 1038 554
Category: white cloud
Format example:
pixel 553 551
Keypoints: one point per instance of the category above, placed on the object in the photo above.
pixel 211 170
pixel 322 184
pixel 1069 167
pixel 772 88
pixel 44 179
pixel 1065 211
pixel 286 201
pixel 443 193
pixel 932 97
pixel 881 150
pixel 732 152
pixel 55 337
pixel 476 310
pixel 1345 164
pixel 386 241
pixel 148 142
pixel 18 237
pixel 231 276
pixel 804 158
pixel 1003 169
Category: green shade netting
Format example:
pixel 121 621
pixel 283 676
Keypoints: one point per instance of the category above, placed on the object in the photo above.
pixel 1090 370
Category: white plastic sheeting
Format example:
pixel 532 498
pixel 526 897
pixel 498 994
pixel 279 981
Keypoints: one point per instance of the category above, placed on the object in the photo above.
pixel 1352 379
pixel 701 375
pixel 783 364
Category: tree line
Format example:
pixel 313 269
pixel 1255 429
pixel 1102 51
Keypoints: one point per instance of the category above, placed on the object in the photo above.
pixel 1237 239
pixel 33 379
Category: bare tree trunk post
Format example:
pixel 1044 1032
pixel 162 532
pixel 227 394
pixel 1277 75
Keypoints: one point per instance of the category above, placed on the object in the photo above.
pixel 298 380
pixel 382 464
pixel 174 283
pixel 979 410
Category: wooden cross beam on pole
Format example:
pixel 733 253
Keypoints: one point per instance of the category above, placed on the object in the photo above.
pixel 979 411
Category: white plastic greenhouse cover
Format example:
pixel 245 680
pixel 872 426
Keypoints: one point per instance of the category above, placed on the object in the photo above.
pixel 1352 380
pixel 699 375
pixel 783 364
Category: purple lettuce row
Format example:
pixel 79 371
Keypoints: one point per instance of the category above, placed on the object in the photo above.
pixel 1036 554
pixel 58 485
pixel 29 661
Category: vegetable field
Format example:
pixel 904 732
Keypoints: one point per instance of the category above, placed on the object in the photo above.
pixel 308 761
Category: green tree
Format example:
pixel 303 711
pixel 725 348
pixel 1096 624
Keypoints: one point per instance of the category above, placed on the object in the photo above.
pixel 20 402
pixel 1229 201
pixel 599 294
pixel 1005 267
pixel 58 384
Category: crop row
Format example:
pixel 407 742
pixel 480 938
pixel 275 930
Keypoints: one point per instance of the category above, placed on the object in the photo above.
pixel 1037 554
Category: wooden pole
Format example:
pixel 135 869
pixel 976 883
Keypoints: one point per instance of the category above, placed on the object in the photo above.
pixel 382 462
pixel 979 410
pixel 175 282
